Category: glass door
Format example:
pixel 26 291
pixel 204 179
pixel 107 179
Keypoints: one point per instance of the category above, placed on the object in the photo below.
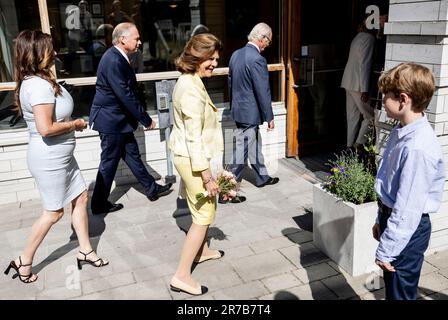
pixel 326 31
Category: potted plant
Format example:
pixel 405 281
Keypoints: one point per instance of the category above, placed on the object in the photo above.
pixel 344 211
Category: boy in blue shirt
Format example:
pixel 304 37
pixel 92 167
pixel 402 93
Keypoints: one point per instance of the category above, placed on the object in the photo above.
pixel 409 182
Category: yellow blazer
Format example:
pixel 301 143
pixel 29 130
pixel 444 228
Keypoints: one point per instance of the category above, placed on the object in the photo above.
pixel 197 132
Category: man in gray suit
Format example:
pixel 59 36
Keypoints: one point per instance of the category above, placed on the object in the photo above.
pixel 250 103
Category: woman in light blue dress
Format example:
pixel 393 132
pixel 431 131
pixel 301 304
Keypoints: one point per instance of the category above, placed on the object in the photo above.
pixel 47 108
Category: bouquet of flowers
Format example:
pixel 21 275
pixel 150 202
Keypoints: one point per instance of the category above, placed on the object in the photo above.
pixel 227 186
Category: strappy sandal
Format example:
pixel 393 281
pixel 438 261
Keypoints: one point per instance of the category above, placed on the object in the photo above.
pixel 24 278
pixel 93 263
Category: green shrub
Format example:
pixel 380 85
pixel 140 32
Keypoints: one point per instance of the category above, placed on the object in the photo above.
pixel 350 180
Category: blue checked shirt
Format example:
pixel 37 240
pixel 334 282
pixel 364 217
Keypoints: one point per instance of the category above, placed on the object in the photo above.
pixel 410 180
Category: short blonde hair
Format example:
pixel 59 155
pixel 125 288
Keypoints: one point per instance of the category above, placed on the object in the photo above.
pixel 413 79
pixel 200 48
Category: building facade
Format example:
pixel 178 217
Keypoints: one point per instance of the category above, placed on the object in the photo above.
pixel 311 42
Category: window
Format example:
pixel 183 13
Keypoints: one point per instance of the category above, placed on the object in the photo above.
pixel 82 32
pixel 14 16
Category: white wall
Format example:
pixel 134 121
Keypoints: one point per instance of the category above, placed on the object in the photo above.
pixel 17 185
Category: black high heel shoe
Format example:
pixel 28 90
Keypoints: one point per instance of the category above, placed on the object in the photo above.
pixel 93 263
pixel 24 278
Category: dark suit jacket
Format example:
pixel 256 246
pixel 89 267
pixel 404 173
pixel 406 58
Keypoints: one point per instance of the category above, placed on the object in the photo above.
pixel 250 95
pixel 115 107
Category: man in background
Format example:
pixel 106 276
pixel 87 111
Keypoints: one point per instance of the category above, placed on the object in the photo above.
pixel 115 114
pixel 250 103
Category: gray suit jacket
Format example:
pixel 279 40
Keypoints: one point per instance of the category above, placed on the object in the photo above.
pixel 250 95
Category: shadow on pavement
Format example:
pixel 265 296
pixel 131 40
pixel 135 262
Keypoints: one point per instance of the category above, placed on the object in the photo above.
pixel 182 215
pixel 97 226
pixel 285 295
pixel 310 256
pixel 183 220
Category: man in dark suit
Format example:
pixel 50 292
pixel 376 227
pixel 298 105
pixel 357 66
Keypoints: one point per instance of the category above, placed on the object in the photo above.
pixel 115 114
pixel 250 103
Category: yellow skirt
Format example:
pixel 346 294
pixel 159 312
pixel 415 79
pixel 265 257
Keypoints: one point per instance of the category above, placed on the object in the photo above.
pixel 203 212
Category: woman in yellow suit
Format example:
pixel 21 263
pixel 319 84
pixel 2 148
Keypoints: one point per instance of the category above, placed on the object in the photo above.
pixel 196 138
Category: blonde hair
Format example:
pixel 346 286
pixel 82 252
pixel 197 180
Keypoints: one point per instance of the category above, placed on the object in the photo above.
pixel 200 48
pixel 413 79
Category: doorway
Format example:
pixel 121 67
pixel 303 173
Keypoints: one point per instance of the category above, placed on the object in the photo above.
pixel 318 44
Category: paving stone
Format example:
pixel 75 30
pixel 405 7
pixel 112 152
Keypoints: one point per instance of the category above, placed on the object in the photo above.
pixel 215 275
pixel 62 293
pixel 347 288
pixel 110 282
pixel 304 255
pixel 270 245
pixel 443 272
pixel 281 282
pixel 375 295
pixel 137 216
pixel 300 237
pixel 150 290
pixel 238 239
pixel 155 272
pixel 438 260
pixel 267 252
pixel 10 226
pixel 160 229
pixel 432 283
pixel 427 268
pixel 312 291
pixel 14 289
pixel 245 291
pixel 262 266
pixel 315 272
pixel 201 297
pixel 281 228
pixel 443 295
pixel 238 252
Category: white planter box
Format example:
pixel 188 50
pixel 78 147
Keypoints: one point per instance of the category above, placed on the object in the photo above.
pixel 343 231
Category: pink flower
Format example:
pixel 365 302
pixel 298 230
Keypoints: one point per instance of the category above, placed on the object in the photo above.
pixel 232 193
pixel 228 175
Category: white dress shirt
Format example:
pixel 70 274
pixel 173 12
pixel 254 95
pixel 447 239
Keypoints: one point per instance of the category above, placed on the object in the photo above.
pixel 124 54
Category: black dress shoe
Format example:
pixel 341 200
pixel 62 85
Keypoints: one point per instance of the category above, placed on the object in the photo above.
pixel 111 208
pixel 161 191
pixel 269 182
pixel 237 199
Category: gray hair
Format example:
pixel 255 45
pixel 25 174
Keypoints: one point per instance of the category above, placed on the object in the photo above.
pixel 103 30
pixel 260 31
pixel 122 30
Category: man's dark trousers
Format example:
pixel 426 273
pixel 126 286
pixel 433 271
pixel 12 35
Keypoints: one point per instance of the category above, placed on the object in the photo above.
pixel 113 148
pixel 248 145
pixel 403 283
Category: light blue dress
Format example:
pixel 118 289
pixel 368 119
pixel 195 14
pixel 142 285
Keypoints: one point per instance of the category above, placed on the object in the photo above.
pixel 50 160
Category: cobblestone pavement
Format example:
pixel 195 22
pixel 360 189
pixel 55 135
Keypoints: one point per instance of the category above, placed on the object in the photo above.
pixel 267 241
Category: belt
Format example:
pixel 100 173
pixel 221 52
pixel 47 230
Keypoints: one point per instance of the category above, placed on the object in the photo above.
pixel 383 209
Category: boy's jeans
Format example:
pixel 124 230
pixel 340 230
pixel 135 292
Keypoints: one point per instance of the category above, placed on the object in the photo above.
pixel 403 283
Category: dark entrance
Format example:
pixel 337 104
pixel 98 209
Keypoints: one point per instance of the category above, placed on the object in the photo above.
pixel 319 44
